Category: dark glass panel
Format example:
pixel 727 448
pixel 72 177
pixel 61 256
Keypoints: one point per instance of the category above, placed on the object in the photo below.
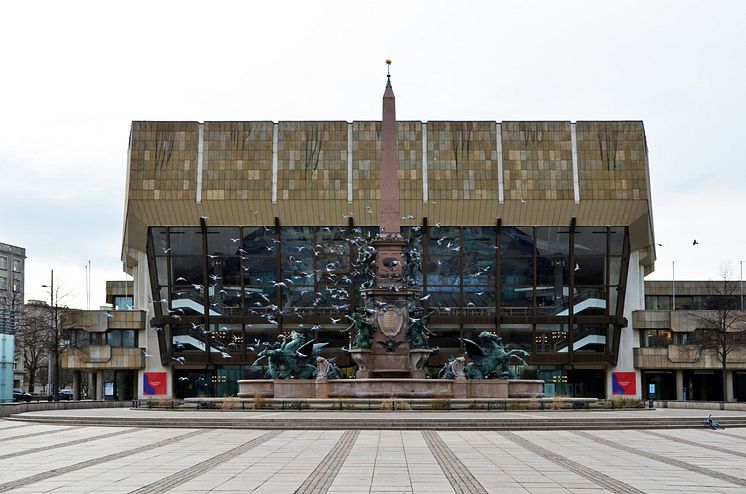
pixel 589 301
pixel 223 241
pixel 479 271
pixel 186 270
pixel 551 338
pixel 517 335
pixel 298 296
pixel 590 241
pixel 553 271
pixel 616 240
pixel 517 241
pixel 159 240
pixel 444 296
pixel 517 270
pixel 188 338
pixel 257 240
pixel 444 271
pixel 615 270
pixel 480 240
pixel 259 271
pixel 553 240
pixel 161 268
pixel 479 296
pixel 589 339
pixel 590 270
pixel 444 241
pixel 226 339
pixel 517 297
pixel 445 339
pixel 186 241
pixel 114 338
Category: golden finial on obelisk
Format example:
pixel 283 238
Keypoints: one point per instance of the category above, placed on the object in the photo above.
pixel 388 72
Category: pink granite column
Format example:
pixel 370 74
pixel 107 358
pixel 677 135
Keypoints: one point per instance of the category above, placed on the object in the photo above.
pixel 389 216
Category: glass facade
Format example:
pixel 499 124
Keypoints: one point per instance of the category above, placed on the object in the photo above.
pixel 553 291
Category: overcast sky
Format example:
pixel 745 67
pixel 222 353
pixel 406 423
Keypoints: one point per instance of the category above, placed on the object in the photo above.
pixel 74 75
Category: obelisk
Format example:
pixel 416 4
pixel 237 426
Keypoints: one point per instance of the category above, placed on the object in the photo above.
pixel 389 215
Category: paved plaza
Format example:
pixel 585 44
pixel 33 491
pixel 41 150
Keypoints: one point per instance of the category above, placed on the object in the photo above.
pixel 37 457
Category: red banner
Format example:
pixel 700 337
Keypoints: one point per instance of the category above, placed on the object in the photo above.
pixel 154 383
pixel 623 383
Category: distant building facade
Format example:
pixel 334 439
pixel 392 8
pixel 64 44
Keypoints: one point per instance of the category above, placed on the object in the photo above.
pixel 12 264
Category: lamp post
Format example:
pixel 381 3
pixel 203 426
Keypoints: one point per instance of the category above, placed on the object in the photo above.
pixel 55 339
pixel 741 263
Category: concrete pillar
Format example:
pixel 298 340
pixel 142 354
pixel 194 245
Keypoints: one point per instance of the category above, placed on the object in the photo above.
pixel 99 385
pixel 729 386
pixel 679 384
pixel 91 385
pixel 76 385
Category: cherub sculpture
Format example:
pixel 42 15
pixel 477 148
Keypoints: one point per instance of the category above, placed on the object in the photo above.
pixel 364 330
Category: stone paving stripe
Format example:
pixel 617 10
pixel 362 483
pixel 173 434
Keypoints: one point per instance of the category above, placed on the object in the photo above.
pixel 66 444
pixel 190 473
pixel 322 478
pixel 601 479
pixel 721 433
pixel 44 433
pixel 664 459
pixel 15 484
pixel 694 443
pixel 16 427
pixel 460 478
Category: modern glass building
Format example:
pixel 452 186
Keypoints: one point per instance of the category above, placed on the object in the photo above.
pixel 242 231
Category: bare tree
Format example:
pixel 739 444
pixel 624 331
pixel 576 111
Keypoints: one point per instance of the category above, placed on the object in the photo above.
pixel 721 328
pixel 32 342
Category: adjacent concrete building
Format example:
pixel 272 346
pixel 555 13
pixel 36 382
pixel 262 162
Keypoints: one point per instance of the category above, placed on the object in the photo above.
pixel 677 359
pixel 105 351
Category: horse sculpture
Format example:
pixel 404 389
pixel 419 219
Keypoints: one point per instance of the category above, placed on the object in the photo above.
pixel 289 359
pixel 490 358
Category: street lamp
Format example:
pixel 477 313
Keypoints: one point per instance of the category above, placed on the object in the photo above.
pixel 55 339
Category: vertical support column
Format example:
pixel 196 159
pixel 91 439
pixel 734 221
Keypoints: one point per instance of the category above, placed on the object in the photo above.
pixel 575 176
pixel 500 179
pixel 99 385
pixel 571 293
pixel 205 288
pixel 91 389
pixel 728 386
pixel 349 163
pixel 425 188
pixel 200 159
pixel 679 384
pixel 275 138
pixel 76 385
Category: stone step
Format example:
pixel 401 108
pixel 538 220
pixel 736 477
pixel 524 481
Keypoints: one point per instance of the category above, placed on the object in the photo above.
pixel 397 423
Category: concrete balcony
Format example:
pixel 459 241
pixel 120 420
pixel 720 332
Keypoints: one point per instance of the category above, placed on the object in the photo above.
pixel 684 357
pixel 102 357
pixel 684 321
pixel 99 321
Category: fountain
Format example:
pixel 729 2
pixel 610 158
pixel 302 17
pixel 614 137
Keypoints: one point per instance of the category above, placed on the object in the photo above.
pixel 390 337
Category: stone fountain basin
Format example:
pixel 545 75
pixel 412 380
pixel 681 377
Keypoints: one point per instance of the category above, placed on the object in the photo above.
pixel 390 387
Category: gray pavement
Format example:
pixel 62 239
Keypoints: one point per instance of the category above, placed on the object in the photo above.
pixel 64 459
